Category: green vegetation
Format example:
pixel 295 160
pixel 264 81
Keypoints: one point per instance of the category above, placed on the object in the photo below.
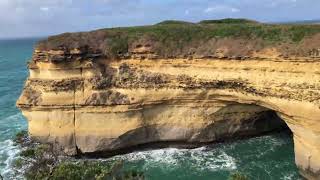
pixel 118 45
pixel 28 153
pixel 83 170
pixel 227 21
pixel 298 32
pixel 43 162
pixel 93 170
pixel 36 151
pixel 238 176
pixel 172 38
pixel 18 163
pixel 173 22
pixel 20 137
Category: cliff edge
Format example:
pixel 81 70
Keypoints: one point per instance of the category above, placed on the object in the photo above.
pixel 109 90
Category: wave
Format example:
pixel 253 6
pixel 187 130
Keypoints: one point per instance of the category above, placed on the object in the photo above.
pixel 170 159
pixel 9 153
pixel 218 159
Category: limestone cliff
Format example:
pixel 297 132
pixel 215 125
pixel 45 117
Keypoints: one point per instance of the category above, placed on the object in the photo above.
pixel 108 90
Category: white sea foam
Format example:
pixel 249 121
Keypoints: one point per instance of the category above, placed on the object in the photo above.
pixel 9 152
pixel 212 159
pixel 290 177
pixel 270 142
pixel 169 159
pixel 200 160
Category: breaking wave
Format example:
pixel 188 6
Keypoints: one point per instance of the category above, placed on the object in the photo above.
pixel 9 151
pixel 191 162
pixel 8 154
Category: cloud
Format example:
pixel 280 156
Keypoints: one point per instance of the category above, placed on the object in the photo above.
pixel 276 3
pixel 44 9
pixel 221 9
pixel 45 17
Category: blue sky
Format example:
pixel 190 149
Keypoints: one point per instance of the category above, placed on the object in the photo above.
pixel 27 18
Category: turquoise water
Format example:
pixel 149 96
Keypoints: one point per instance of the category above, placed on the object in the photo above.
pixel 262 158
pixel 13 72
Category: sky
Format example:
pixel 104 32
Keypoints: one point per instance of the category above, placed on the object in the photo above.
pixel 36 18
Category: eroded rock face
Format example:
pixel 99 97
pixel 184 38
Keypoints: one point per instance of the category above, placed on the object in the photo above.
pixel 118 104
pixel 84 101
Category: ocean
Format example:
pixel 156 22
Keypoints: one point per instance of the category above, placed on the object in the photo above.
pixel 269 157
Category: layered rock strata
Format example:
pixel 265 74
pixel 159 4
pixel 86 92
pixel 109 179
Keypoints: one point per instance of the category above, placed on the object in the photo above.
pixel 84 100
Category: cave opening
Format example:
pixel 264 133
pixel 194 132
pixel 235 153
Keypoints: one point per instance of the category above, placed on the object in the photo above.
pixel 237 121
pixel 228 124
pixel 245 138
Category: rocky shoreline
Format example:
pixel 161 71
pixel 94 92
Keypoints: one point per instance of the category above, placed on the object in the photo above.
pixel 41 161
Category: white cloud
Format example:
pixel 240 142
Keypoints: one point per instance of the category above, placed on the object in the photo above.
pixel 41 17
pixel 235 10
pixel 275 3
pixel 221 9
pixel 45 9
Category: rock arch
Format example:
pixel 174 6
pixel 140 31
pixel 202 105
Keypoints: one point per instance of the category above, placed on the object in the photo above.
pixel 114 105
pixel 302 119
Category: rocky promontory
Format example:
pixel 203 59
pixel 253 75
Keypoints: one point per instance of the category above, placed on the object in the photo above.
pixel 109 90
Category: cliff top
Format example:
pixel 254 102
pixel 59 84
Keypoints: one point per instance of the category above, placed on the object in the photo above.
pixel 226 37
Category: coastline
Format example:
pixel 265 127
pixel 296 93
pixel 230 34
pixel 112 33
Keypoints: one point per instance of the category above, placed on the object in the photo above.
pixel 216 157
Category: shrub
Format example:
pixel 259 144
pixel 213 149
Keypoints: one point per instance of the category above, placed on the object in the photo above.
pixel 18 163
pixel 21 136
pixel 93 170
pixel 28 153
pixel 166 22
pixel 238 176
pixel 173 38
pixel 227 21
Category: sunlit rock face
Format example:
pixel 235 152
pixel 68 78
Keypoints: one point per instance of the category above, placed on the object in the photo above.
pixel 84 99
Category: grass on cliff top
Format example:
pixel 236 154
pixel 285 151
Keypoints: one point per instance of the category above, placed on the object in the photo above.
pixel 173 36
pixel 228 21
pixel 188 32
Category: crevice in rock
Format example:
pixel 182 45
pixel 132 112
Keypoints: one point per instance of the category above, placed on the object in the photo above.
pixel 74 118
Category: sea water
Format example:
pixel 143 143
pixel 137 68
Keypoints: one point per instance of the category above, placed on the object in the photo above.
pixel 269 157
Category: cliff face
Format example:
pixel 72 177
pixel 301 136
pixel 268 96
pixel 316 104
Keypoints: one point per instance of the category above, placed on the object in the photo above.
pixel 105 91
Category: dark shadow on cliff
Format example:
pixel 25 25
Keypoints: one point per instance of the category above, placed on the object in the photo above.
pixel 230 124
